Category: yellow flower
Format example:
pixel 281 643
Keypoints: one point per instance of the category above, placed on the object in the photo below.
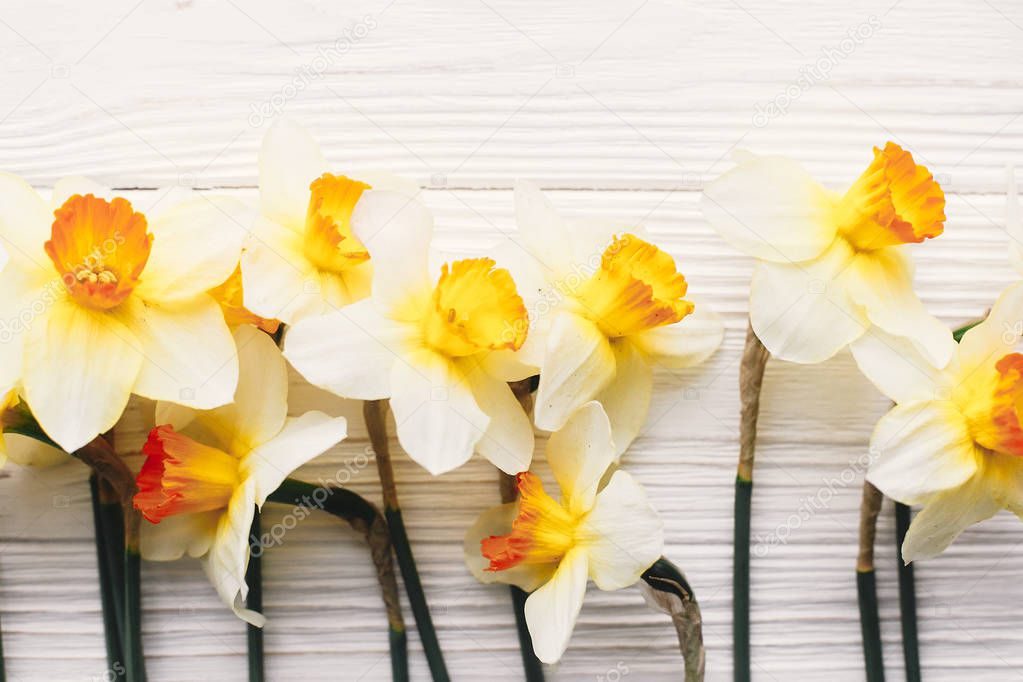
pixel 954 442
pixel 606 305
pixel 303 258
pixel 102 301
pixel 440 346
pixel 206 472
pixel 830 266
pixel 606 533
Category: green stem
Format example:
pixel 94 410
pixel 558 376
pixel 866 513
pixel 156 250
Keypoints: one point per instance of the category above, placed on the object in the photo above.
pixel 751 378
pixel 365 518
pixel 375 414
pixel 254 600
pixel 740 580
pixel 907 597
pixel 107 585
pixel 530 663
pixel 134 662
pixel 866 591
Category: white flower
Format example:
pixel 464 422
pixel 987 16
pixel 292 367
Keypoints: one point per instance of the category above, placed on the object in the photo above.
pixel 830 266
pixel 101 301
pixel 206 472
pixel 439 343
pixel 606 533
pixel 605 307
pixel 954 441
pixel 304 258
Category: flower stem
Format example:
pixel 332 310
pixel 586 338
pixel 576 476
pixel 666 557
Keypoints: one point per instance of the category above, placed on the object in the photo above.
pixel 134 662
pixel 866 588
pixel 907 597
pixel 669 591
pixel 254 602
pixel 751 378
pixel 110 596
pixel 365 518
pixel 375 414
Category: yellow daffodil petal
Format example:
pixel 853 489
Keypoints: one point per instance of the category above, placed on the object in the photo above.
pixel 80 367
pixel 99 248
pixel 551 611
pixel 300 440
pixel 881 281
pixel 578 364
pixel 895 201
pixel 508 441
pixel 230 296
pixel 687 344
pixel 922 449
pixel 196 246
pixel 349 352
pixel 622 535
pixel 438 419
pixel 770 208
pixel 802 312
pixel 176 536
pixel 289 159
pixel 579 453
pixel 189 355
pixel 626 399
pixel 896 367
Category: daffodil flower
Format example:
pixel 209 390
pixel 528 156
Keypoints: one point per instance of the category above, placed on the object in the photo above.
pixel 206 472
pixel 439 342
pixel 829 265
pixel 605 533
pixel 606 306
pixel 954 441
pixel 101 301
pixel 304 258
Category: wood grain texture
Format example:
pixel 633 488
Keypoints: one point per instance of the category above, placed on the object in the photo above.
pixel 643 100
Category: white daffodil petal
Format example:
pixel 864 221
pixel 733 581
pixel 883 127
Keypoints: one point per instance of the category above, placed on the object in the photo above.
pixel 80 368
pixel 190 356
pixel 28 295
pixel 302 439
pixel 277 279
pixel 1013 226
pixel 683 344
pixel 551 611
pixel 506 365
pixel 196 246
pixel 260 403
pixel 289 161
pixel 998 334
pixel 437 418
pixel 498 521
pixel 627 398
pixel 623 534
pixel 771 209
pixel 349 352
pixel 542 231
pixel 946 515
pixel 579 453
pixel 178 535
pixel 802 312
pixel 228 556
pixel 69 186
pixel 396 230
pixel 896 367
pixel 882 282
pixel 577 365
pixel 29 452
pixel 25 223
pixel 385 181
pixel 508 441
pixel 921 449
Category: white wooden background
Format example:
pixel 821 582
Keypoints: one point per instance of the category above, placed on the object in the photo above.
pixel 622 109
